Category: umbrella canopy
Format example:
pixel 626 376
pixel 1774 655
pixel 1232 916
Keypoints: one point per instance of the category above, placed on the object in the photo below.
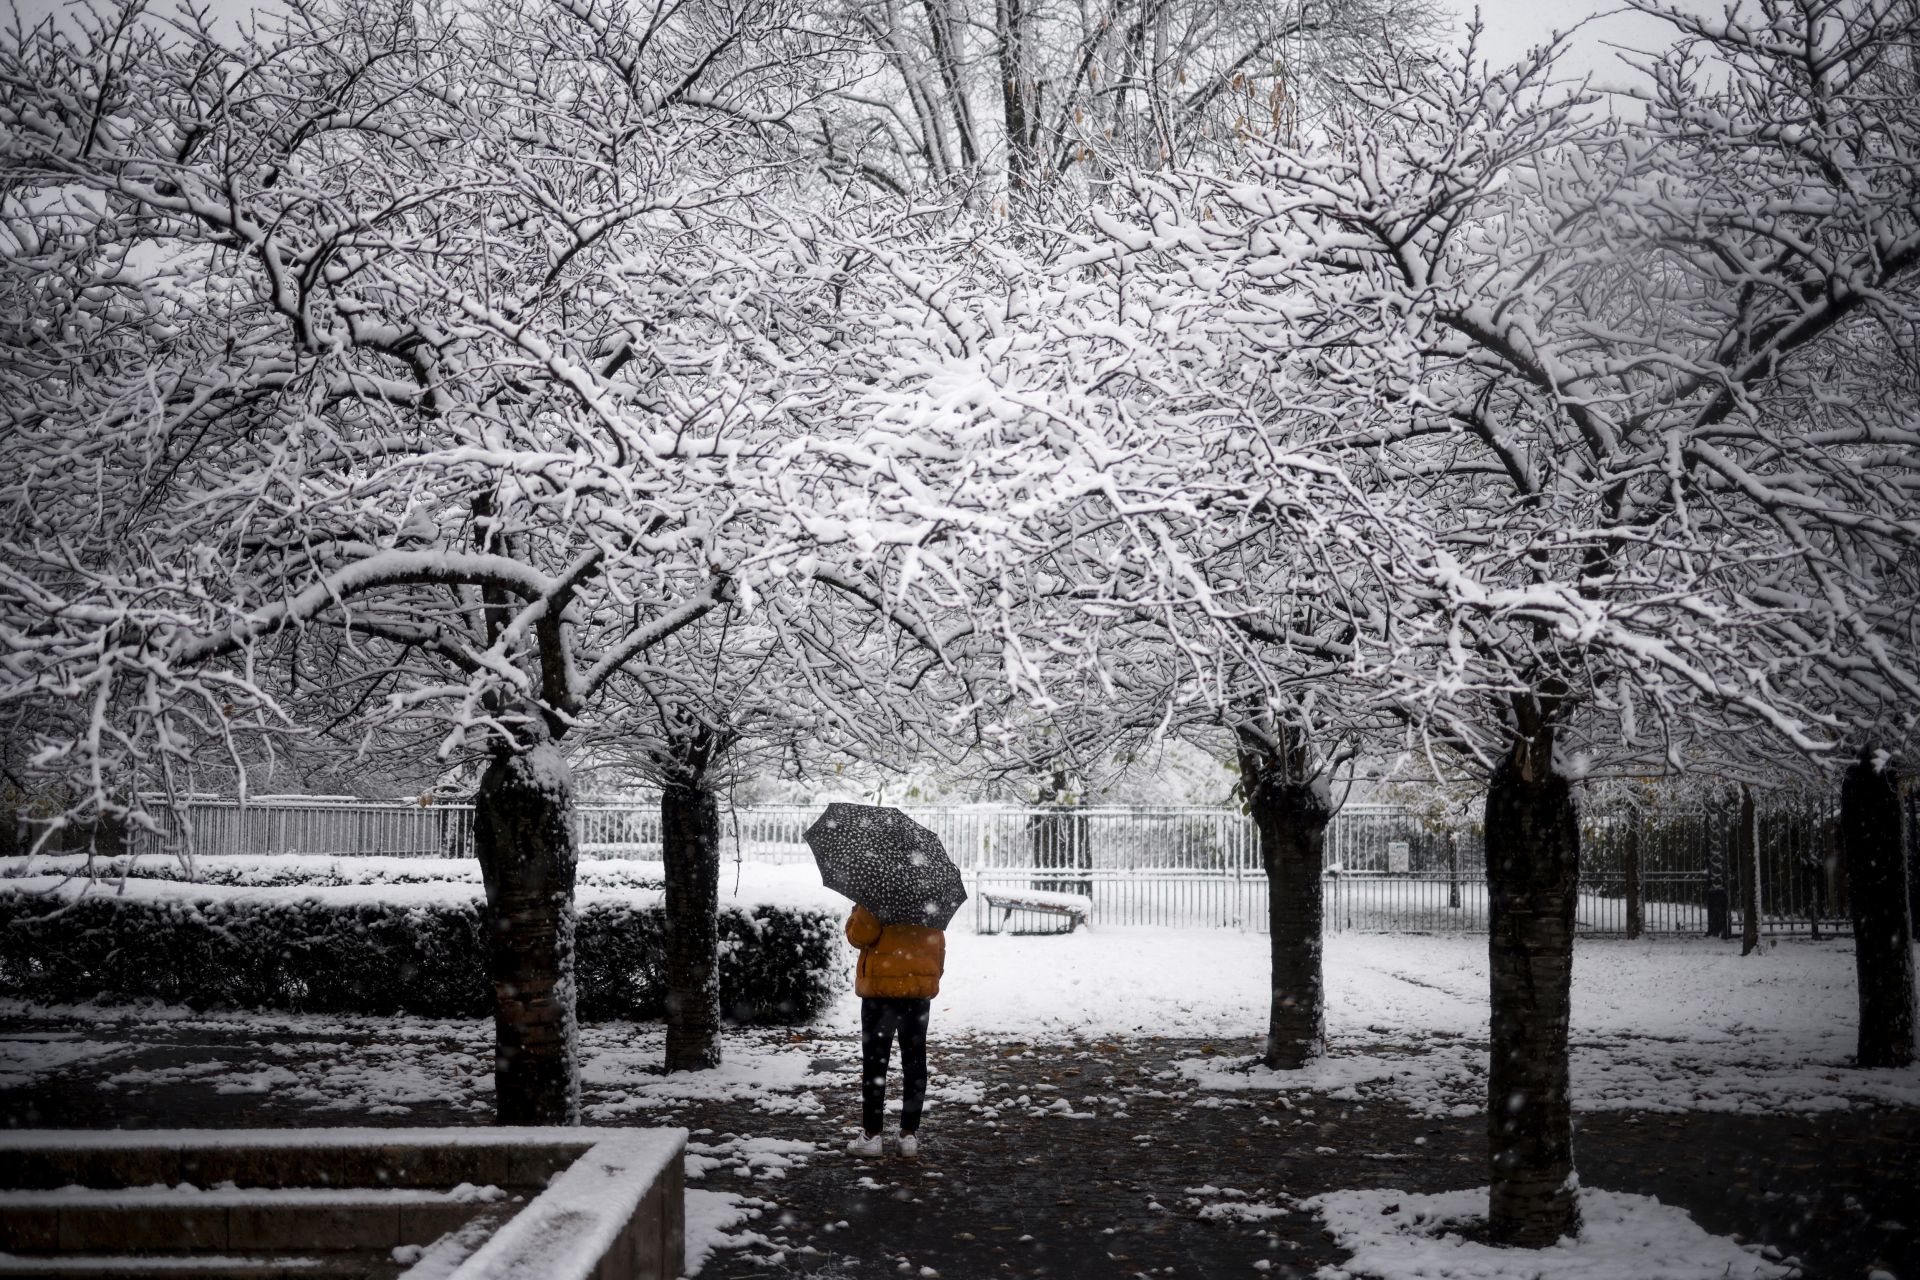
pixel 888 863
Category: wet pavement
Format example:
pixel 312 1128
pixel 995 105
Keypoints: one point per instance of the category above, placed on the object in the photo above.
pixel 1085 1158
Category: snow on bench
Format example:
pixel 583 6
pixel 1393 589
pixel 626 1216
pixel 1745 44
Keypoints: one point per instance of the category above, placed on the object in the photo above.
pixel 1076 907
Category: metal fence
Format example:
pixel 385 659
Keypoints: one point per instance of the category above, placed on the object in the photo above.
pixel 1388 868
pixel 346 827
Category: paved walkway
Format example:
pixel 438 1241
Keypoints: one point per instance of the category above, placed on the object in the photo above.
pixel 1091 1158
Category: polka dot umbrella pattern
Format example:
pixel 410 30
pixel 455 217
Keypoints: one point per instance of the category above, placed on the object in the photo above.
pixel 888 863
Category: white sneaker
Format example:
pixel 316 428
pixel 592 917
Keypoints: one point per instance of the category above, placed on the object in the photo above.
pixel 909 1145
pixel 866 1147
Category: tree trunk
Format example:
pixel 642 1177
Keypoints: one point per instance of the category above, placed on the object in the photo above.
pixel 1719 913
pixel 1839 894
pixel 1453 869
pixel 14 838
pixel 946 37
pixel 690 848
pixel 1533 865
pixel 1911 811
pixel 1872 839
pixel 1292 821
pixel 1058 836
pixel 1009 21
pixel 523 835
pixel 1749 847
pixel 1636 898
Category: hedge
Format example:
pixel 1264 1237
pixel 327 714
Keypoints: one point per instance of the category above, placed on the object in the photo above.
pixel 777 965
pixel 310 871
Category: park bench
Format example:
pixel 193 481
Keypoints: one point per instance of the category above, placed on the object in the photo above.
pixel 1074 906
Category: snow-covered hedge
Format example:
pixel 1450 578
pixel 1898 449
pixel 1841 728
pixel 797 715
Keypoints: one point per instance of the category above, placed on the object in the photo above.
pixel 315 870
pixel 402 949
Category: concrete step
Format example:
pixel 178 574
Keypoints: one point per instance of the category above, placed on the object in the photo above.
pixel 238 1221
pixel 81 1266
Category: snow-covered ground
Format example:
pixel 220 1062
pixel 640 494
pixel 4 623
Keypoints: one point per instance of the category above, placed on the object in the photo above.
pixel 1396 1236
pixel 1661 1026
pixel 1664 1026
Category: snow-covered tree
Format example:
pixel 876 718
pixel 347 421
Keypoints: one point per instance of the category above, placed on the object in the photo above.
pixel 1202 612
pixel 1017 94
pixel 1558 352
pixel 431 356
pixel 1189 581
pixel 823 670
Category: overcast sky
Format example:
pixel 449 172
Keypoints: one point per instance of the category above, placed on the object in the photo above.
pixel 1512 26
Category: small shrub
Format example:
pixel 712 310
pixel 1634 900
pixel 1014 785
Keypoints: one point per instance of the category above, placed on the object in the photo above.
pixel 777 965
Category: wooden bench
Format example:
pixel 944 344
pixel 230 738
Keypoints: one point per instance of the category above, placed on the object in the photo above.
pixel 1076 907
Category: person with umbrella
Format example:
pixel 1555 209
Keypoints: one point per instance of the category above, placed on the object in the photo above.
pixel 905 891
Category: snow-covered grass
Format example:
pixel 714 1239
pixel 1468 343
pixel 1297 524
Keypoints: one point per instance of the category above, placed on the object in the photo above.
pixel 1662 1026
pixel 1667 1025
pixel 1397 1236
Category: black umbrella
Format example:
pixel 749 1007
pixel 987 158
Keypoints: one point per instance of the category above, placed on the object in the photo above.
pixel 888 863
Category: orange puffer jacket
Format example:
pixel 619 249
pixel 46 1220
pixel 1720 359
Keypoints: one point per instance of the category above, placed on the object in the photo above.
pixel 904 961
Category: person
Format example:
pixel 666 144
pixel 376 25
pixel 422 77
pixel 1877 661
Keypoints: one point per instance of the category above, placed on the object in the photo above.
pixel 897 977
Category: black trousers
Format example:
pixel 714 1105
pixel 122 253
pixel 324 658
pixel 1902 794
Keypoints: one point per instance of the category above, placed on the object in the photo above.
pixel 881 1018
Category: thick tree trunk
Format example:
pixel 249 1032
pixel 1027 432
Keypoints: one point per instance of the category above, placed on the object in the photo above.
pixel 690 848
pixel 1292 820
pixel 1749 847
pixel 523 834
pixel 1872 838
pixel 1636 895
pixel 1533 865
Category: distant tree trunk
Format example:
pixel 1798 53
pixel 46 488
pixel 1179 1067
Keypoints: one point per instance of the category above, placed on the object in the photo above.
pixel 1010 22
pixel 523 836
pixel 1636 897
pixel 1453 869
pixel 1749 847
pixel 1533 865
pixel 1872 838
pixel 1291 817
pixel 1834 861
pixel 1910 816
pixel 1719 922
pixel 946 36
pixel 14 839
pixel 1058 836
pixel 690 849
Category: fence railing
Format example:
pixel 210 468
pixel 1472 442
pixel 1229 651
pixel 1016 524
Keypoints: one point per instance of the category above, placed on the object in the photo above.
pixel 1388 867
pixel 347 828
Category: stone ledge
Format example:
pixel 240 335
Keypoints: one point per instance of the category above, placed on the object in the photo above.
pixel 605 1204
